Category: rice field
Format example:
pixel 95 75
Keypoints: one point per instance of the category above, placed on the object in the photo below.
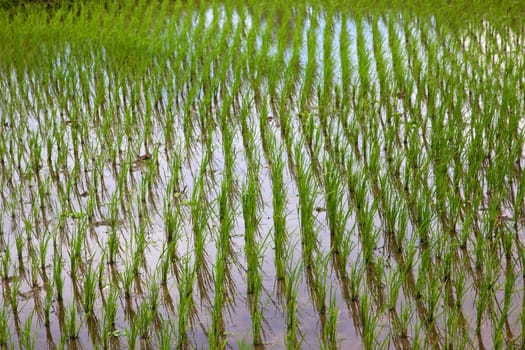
pixel 238 175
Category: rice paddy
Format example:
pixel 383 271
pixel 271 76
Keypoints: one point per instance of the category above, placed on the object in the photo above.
pixel 262 175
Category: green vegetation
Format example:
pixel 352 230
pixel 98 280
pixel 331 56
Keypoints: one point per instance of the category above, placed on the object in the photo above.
pixel 248 174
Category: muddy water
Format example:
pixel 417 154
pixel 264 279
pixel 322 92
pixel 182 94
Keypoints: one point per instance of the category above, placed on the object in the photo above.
pixel 62 217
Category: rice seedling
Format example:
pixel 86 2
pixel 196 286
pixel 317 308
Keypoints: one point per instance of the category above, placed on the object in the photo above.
pixel 131 335
pixel 110 311
pixel 185 287
pixel 216 336
pixel 57 276
pixel 356 275
pixel 43 245
pixel 166 336
pixel 27 340
pixel 72 324
pixel 4 330
pixel 292 323
pixel 14 289
pixel 89 293
pixel 369 324
pixel 6 260
pixel 144 319
pixel 19 247
pixel 153 294
pixel 127 277
pixel 143 141
pixel 336 213
pixel 330 329
pixel 48 303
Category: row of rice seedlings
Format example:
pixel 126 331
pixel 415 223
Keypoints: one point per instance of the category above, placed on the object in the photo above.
pixel 109 316
pixel 412 185
pixel 254 255
pixel 199 215
pixel 4 330
pixel 185 306
pixel 279 202
pixel 373 166
pixel 306 190
pixel 337 213
pixel 216 334
pixel 293 339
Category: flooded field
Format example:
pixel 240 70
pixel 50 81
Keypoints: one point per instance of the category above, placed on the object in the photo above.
pixel 225 175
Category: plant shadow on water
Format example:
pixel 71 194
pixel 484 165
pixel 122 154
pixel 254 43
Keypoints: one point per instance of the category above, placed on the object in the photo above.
pixel 240 176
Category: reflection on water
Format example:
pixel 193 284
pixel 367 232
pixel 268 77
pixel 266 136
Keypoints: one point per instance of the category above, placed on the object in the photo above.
pixel 118 171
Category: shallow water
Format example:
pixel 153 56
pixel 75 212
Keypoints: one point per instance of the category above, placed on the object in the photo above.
pixel 85 100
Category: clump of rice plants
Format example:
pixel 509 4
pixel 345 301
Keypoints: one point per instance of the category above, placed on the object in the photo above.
pixel 336 173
